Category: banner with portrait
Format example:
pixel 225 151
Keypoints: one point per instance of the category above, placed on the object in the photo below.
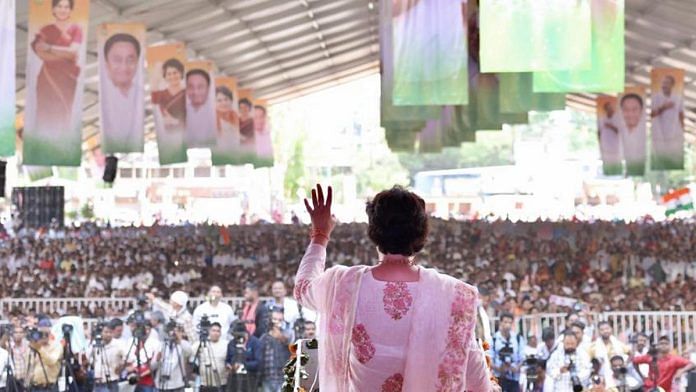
pixel 57 32
pixel 7 77
pixel 633 134
pixel 247 136
pixel 262 134
pixel 608 133
pixel 533 35
pixel 391 114
pixel 201 119
pixel 606 74
pixel 166 71
pixel 227 146
pixel 120 48
pixel 667 113
pixel 429 49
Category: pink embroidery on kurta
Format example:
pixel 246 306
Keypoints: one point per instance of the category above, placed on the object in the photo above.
pixel 364 349
pixel 394 383
pixel 397 299
pixel 459 335
pixel 301 288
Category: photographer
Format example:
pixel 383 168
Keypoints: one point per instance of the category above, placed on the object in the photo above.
pixel 255 312
pixel 217 311
pixel 141 358
pixel 5 360
pixel 176 311
pixel 568 369
pixel 107 358
pixel 623 378
pixel 291 310
pixel 668 367
pixel 207 366
pixel 274 346
pixel 19 351
pixel 507 354
pixel 44 358
pixel 607 346
pixel 244 358
pixel 175 353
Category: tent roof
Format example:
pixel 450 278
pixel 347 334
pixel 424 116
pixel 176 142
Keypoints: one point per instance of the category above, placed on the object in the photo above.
pixel 286 48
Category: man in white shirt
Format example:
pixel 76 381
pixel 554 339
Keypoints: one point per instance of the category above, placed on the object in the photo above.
pixel 290 309
pixel 209 357
pixel 633 133
pixel 4 363
pixel 107 359
pixel 201 120
pixel 567 365
pixel 121 94
pixel 667 112
pixel 171 367
pixel 217 311
pixel 610 140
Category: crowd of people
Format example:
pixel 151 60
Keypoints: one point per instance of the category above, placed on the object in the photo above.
pixel 160 346
pixel 521 268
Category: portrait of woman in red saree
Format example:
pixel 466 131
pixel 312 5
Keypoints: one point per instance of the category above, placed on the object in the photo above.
pixel 172 100
pixel 57 45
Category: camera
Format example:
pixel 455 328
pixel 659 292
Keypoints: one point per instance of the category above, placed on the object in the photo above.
pixel 67 329
pixel 141 300
pixel 98 334
pixel 138 318
pixel 577 385
pixel 532 365
pixel 204 328
pixel 133 378
pixel 170 328
pixel 34 335
pixel 505 354
pixel 621 371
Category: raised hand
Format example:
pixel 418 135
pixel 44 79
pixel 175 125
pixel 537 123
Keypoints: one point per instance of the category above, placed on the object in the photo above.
pixel 323 222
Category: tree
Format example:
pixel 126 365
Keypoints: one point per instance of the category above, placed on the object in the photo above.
pixel 87 211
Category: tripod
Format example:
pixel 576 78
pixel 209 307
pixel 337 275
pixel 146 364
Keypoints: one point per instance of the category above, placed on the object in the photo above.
pixel 30 369
pixel 240 379
pixel 99 357
pixel 69 363
pixel 139 344
pixel 10 380
pixel 167 363
pixel 204 360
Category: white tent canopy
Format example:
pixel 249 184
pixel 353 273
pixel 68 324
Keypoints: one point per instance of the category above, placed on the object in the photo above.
pixel 286 48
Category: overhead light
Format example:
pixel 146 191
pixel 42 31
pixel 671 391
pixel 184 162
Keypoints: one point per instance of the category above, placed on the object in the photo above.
pixel 371 5
pixel 315 25
pixel 310 14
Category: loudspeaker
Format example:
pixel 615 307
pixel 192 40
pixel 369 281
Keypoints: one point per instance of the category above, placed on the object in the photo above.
pixel 39 206
pixel 110 169
pixel 3 166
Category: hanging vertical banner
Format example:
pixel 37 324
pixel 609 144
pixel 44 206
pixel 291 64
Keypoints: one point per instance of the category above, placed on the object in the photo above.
pixel 606 74
pixel 667 112
pixel 518 96
pixel 57 34
pixel 392 116
pixel 226 150
pixel 7 77
pixel 121 86
pixel 429 48
pixel 262 134
pixel 608 128
pixel 533 35
pixel 633 135
pixel 36 173
pixel 246 124
pixel 201 121
pixel 484 88
pixel 165 66
pixel 430 137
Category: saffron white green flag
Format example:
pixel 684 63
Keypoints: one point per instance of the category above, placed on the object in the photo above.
pixel 679 200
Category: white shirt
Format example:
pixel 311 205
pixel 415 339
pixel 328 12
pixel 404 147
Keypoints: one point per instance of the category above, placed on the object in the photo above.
pixel 609 140
pixel 4 359
pixel 219 352
pixel 171 365
pixel 264 146
pixel 222 313
pixel 122 115
pixel 291 312
pixel 634 141
pixel 201 124
pixel 667 127
pixel 111 356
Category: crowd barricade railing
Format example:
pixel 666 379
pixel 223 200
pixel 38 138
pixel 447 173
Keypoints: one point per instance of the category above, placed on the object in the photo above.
pixel 680 327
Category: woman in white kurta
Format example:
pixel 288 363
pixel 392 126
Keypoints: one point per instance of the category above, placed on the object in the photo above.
pixel 395 326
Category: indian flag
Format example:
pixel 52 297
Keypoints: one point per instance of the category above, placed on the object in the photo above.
pixel 679 200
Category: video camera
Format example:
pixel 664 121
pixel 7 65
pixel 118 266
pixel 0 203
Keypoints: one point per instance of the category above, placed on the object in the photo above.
pixel 138 318
pixel 204 328
pixel 169 329
pixel 34 334
pixel 506 353
pixel 532 365
pixel 570 364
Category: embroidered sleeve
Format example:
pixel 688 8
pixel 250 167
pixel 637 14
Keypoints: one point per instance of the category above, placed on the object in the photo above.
pixel 309 275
